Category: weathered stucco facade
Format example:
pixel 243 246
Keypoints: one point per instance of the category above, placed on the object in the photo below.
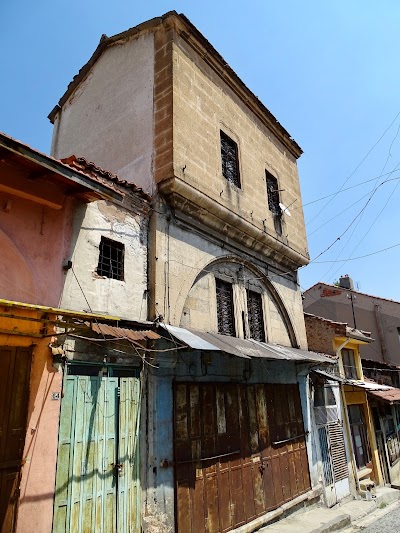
pixel 152 105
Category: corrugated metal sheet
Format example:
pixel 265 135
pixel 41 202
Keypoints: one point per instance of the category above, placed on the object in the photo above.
pixel 124 333
pixel 246 348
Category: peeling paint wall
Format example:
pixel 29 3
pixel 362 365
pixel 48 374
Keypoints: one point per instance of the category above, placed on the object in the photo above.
pixel 128 298
pixel 109 118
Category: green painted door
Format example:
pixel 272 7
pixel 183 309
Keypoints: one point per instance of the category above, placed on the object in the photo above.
pixel 97 476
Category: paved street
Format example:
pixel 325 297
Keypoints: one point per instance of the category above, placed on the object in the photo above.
pixel 390 523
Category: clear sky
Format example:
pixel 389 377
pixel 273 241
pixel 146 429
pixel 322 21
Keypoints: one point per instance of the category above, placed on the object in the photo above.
pixel 328 70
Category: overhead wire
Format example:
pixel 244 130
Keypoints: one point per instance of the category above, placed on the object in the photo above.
pixel 357 167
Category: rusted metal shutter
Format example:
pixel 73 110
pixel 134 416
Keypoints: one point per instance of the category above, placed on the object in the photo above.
pixel 255 316
pixel 225 310
pixel 239 452
pixel 338 451
pixel 15 365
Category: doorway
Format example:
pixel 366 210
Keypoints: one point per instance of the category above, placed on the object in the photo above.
pixel 15 367
pixel 97 479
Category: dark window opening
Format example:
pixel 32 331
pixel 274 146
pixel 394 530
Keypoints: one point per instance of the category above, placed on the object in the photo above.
pixel 349 365
pixel 225 309
pixel 230 159
pixel 359 435
pixel 111 259
pixel 255 316
pixel 273 200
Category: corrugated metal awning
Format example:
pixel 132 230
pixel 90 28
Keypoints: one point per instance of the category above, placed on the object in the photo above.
pixel 246 348
pixel 328 375
pixel 124 333
pixel 391 396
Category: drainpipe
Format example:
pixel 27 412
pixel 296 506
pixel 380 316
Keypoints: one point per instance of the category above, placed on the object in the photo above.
pixel 378 318
pixel 347 424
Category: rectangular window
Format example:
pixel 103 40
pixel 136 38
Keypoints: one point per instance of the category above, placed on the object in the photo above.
pixel 359 435
pixel 230 159
pixel 349 365
pixel 273 200
pixel 225 309
pixel 111 259
pixel 255 316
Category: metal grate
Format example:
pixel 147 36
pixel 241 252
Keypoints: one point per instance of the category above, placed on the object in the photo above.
pixel 230 159
pixel 111 259
pixel 273 194
pixel 225 310
pixel 255 316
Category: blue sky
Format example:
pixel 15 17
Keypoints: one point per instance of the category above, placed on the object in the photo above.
pixel 328 71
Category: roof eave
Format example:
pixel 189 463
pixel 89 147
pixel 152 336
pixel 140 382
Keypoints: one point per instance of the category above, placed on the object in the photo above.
pixel 59 168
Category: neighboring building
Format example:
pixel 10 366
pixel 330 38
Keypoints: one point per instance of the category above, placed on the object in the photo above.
pixel 226 425
pixel 48 207
pixel 371 409
pixel 378 315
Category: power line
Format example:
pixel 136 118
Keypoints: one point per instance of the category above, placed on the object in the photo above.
pixel 359 257
pixel 345 190
pixel 357 167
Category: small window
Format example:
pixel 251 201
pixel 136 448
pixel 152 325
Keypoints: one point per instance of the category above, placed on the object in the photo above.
pixel 230 159
pixel 111 259
pixel 349 365
pixel 273 200
pixel 255 316
pixel 225 309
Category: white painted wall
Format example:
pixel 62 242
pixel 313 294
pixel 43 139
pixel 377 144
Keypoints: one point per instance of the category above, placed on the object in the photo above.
pixel 109 118
pixel 126 299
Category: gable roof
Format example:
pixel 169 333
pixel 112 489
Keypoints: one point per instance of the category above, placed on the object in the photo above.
pixel 192 35
pixel 335 287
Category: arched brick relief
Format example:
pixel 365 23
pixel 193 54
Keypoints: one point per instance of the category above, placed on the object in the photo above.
pixel 200 309
pixel 16 280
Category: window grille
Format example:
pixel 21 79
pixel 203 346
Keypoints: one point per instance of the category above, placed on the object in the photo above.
pixel 111 259
pixel 225 309
pixel 230 159
pixel 255 316
pixel 273 200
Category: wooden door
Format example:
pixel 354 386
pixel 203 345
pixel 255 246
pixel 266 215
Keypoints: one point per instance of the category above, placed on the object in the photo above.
pixel 15 365
pixel 98 463
pixel 239 452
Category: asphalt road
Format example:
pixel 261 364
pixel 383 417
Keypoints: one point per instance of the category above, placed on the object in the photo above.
pixel 389 523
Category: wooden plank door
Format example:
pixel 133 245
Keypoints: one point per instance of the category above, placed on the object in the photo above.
pixel 239 452
pixel 128 456
pixel 97 480
pixel 86 489
pixel 15 365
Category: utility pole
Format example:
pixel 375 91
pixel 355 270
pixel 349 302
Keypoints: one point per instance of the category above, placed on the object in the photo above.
pixel 352 297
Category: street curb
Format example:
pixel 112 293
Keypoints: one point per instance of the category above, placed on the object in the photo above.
pixel 335 524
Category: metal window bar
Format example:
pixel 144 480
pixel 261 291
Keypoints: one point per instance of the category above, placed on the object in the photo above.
pixel 255 316
pixel 225 309
pixel 230 159
pixel 111 259
pixel 273 194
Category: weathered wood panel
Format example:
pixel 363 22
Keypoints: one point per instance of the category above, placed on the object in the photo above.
pixel 239 452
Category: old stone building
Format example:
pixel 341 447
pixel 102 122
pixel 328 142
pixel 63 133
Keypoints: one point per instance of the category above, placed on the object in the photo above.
pixel 225 429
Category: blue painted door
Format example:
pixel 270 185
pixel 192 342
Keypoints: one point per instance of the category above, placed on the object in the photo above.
pixel 97 467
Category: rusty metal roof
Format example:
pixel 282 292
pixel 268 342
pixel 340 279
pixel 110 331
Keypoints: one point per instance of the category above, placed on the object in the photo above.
pixel 245 348
pixel 392 395
pixel 124 333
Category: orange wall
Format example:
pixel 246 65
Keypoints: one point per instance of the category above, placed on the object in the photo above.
pixel 40 453
pixel 34 242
